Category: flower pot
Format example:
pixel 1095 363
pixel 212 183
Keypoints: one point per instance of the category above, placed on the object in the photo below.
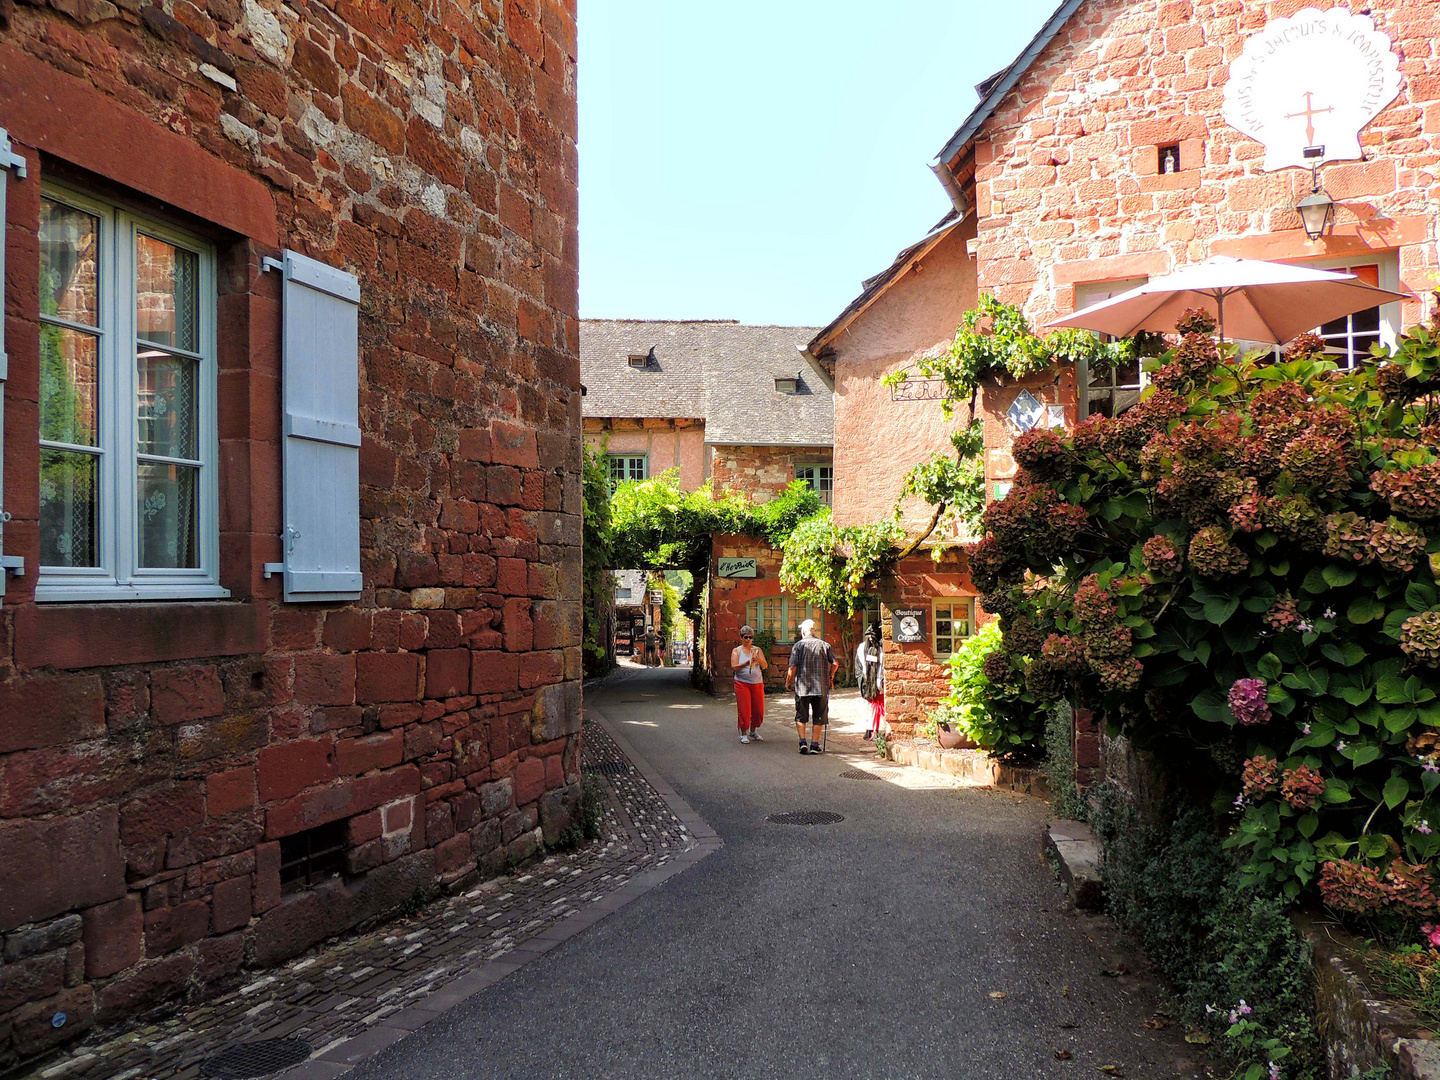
pixel 951 739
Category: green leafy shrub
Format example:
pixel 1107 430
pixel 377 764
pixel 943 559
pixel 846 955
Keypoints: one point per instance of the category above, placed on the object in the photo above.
pixel 597 586
pixel 1240 572
pixel 1241 970
pixel 1065 799
pixel 988 701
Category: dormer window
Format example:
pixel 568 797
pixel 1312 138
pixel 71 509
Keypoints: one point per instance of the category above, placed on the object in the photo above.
pixel 787 384
pixel 644 359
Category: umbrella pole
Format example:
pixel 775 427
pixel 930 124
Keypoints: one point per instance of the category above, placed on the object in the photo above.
pixel 1220 313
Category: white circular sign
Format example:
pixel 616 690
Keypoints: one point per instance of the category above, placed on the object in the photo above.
pixel 1307 85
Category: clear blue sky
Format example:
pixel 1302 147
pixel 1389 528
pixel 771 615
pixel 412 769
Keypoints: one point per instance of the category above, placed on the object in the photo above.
pixel 756 159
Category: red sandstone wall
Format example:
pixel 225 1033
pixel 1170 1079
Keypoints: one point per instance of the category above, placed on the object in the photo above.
pixel 728 600
pixel 152 755
pixel 669 444
pixel 761 472
pixel 914 680
pixel 1065 181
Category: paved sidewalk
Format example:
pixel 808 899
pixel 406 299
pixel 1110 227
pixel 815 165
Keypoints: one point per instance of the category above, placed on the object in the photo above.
pixel 352 997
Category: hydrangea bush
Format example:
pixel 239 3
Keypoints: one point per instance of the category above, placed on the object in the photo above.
pixel 1240 573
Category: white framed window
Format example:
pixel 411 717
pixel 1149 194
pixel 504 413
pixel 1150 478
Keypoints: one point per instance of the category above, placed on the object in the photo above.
pixel 782 616
pixel 627 467
pixel 129 498
pixel 1107 393
pixel 821 479
pixel 953 619
pixel 1348 339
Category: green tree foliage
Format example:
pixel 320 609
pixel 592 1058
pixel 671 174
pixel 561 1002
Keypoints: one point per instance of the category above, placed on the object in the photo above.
pixel 598 590
pixel 1241 570
pixel 988 701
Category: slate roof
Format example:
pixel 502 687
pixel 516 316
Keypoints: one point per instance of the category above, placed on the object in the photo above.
pixel 720 372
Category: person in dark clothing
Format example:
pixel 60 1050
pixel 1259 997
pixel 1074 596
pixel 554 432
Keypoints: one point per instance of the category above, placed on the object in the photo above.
pixel 870 673
pixel 810 675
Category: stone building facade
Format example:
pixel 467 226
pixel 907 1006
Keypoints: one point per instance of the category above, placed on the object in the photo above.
pixel 211 755
pixel 763 472
pixel 1100 158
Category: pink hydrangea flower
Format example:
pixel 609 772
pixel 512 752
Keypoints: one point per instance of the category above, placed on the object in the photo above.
pixel 1247 702
pixel 1431 933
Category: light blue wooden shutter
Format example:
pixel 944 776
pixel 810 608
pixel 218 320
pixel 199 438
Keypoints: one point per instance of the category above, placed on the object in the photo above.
pixel 321 381
pixel 9 564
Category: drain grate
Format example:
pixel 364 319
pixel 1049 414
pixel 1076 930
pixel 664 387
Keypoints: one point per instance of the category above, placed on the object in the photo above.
pixel 805 817
pixel 609 768
pixel 255 1059
pixel 861 774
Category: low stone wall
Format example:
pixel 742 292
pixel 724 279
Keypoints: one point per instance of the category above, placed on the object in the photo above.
pixel 1361 1030
pixel 975 765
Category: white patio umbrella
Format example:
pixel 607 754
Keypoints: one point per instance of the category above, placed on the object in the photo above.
pixel 1250 299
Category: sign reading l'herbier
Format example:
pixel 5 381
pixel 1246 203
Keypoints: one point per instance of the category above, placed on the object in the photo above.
pixel 907 624
pixel 736 568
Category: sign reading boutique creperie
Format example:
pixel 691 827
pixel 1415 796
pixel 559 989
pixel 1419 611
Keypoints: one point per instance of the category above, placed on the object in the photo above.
pixel 1311 82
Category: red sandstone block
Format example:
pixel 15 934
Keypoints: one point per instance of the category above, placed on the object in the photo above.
pixel 345 799
pixel 291 767
pixel 379 751
pixel 230 904
pixel 387 677
pixel 504 486
pixel 453 854
pixel 494 672
pixel 267 877
pixel 529 780
pixel 540 669
pixel 325 680
pixel 447 673
pixel 475 444
pixel 367 115
pixel 517 626
pixel 114 936
pixel 229 791
pixel 180 695
pixel 513 577
pixel 170 809
pixel 294 627
pixel 392 716
pixel 512 444
pixel 347 630
pixel 554 772
pixel 51 711
pixel 443 630
pixel 171 928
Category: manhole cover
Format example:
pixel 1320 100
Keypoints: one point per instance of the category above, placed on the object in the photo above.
pixel 805 817
pixel 255 1059
pixel 861 774
pixel 610 768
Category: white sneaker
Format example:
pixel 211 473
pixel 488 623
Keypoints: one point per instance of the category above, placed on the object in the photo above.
pixel 745 738
pixel 755 737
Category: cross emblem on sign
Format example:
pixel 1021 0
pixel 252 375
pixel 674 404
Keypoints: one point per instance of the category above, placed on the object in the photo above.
pixel 1309 113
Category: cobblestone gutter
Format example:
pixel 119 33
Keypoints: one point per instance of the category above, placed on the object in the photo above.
pixel 352 997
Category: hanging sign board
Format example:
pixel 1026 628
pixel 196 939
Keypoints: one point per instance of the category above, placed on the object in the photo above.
pixel 657 596
pixel 908 624
pixel 736 568
pixel 1307 85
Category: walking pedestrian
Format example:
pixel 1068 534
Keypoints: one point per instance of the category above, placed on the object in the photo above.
pixel 748 662
pixel 648 658
pixel 812 670
pixel 870 674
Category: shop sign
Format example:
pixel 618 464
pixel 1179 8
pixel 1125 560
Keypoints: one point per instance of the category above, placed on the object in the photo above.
pixel 737 568
pixel 657 596
pixel 1307 85
pixel 907 625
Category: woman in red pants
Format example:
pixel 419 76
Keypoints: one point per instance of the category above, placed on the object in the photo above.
pixel 748 662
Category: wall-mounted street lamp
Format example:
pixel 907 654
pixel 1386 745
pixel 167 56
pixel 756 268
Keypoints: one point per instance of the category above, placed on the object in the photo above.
pixel 1317 210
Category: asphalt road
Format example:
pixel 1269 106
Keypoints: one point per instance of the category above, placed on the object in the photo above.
pixel 875 947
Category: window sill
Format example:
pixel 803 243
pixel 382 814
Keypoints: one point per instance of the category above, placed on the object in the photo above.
pixel 54 594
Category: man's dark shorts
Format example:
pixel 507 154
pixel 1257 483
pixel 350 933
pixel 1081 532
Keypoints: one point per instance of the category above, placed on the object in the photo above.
pixel 814 705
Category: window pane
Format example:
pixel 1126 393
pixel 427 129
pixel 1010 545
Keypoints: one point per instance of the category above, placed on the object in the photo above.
pixel 1369 319
pixel 165 503
pixel 68 532
pixel 69 365
pixel 166 303
pixel 69 267
pixel 165 407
